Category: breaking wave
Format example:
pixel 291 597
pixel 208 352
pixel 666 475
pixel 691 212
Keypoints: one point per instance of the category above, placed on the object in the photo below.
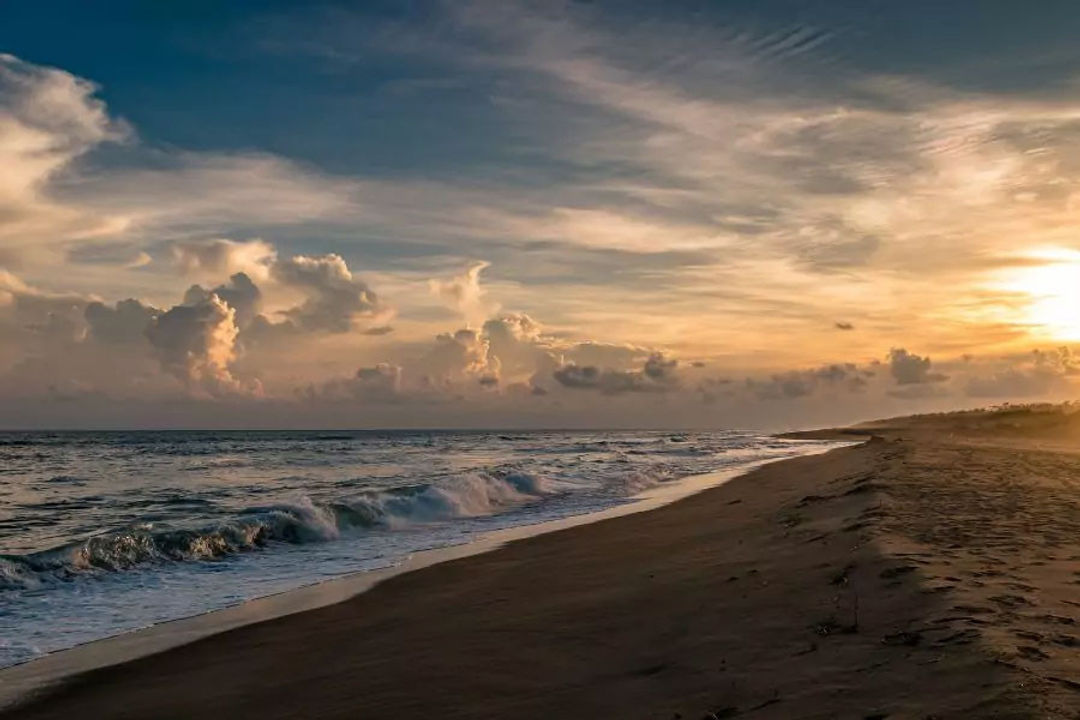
pixel 305 521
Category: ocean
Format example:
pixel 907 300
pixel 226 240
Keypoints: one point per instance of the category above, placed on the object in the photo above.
pixel 105 532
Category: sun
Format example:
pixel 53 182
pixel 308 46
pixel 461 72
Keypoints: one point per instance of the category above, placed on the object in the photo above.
pixel 1052 285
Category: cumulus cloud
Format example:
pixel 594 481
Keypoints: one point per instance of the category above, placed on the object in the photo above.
pixel 239 293
pixel 606 354
pixel 200 340
pixel 910 369
pixel 518 350
pixel 197 344
pixel 656 375
pixel 215 258
pixel 1014 383
pixel 464 294
pixel 511 355
pixel 607 381
pixel 660 369
pixel 1039 373
pixel 82 347
pixel 507 355
pixel 579 376
pixel 455 357
pixel 33 320
pixel 335 301
pixel 1060 360
pixel 803 383
pixel 65 345
pixel 514 351
pixel 326 297
pixel 379 383
pixel 124 323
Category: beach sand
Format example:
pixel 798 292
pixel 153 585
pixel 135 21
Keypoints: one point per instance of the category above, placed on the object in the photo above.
pixel 931 572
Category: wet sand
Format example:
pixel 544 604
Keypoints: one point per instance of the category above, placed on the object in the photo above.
pixel 932 572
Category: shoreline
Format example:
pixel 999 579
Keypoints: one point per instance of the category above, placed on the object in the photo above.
pixel 928 572
pixel 24 681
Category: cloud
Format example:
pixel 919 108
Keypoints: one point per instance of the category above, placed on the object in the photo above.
pixel 124 323
pixel 1039 373
pixel 605 354
pixel 48 119
pixel 518 350
pixel 327 297
pixel 841 325
pixel 512 352
pixel 120 254
pixel 803 383
pixel 335 301
pixel 379 330
pixel 464 294
pixel 454 357
pixel 239 293
pixel 762 178
pixel 86 351
pixel 832 252
pixel 712 389
pixel 656 375
pixel 508 352
pixel 197 344
pixel 660 369
pixel 923 391
pixel 204 192
pixel 216 341
pixel 1014 383
pixel 380 383
pixel 909 369
pixel 53 206
pixel 223 257
pixel 70 347
pixel 34 321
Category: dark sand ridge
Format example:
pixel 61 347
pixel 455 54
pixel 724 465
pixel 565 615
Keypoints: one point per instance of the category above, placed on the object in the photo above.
pixel 928 573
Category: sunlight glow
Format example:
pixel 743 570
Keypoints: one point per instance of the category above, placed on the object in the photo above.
pixel 1053 290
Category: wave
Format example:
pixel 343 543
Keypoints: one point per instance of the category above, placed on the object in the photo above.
pixel 304 521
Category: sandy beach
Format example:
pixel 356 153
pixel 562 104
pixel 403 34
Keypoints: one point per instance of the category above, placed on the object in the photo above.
pixel 929 573
pixel 514 359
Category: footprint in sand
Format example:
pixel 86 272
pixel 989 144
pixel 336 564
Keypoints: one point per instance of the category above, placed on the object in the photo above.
pixel 973 609
pixel 1011 601
pixel 1056 619
pixel 1030 652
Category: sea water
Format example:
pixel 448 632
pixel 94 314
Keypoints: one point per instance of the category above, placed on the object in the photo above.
pixel 106 532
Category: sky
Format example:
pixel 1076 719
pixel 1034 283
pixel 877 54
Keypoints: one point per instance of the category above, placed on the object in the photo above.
pixel 494 214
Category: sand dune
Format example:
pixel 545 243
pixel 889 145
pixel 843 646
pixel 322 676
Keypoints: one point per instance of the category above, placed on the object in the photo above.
pixel 930 573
